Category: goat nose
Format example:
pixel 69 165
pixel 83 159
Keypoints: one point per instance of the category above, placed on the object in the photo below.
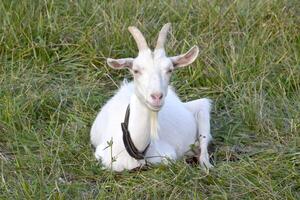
pixel 157 96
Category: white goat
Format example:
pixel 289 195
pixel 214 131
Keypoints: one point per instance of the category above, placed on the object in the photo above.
pixel 179 125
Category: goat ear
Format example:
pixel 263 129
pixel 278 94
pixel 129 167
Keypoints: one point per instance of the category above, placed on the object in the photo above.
pixel 120 63
pixel 185 59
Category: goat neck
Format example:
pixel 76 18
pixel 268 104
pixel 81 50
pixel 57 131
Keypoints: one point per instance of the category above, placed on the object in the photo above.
pixel 139 123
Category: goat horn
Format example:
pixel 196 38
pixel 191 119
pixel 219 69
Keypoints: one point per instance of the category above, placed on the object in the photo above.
pixel 162 37
pixel 138 37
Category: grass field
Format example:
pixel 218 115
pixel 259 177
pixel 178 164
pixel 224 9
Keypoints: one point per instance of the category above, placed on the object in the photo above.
pixel 54 80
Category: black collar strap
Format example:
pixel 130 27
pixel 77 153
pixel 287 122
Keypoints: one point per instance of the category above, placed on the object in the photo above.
pixel 128 143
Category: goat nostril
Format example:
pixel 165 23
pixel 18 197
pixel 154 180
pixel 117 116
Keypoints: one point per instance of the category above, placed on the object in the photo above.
pixel 157 96
pixel 160 96
pixel 153 96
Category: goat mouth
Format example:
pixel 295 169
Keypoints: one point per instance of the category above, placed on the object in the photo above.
pixel 154 108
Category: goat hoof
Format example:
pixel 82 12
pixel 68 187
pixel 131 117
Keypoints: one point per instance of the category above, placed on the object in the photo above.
pixel 204 162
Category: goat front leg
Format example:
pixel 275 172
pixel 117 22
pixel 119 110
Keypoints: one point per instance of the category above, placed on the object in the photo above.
pixel 161 152
pixel 201 110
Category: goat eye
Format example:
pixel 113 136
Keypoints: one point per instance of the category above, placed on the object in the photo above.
pixel 135 71
pixel 169 71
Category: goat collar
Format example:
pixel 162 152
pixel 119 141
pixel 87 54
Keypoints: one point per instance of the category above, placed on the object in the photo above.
pixel 128 143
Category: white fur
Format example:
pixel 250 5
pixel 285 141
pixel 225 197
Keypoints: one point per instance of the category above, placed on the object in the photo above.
pixel 154 126
pixel 157 116
pixel 177 130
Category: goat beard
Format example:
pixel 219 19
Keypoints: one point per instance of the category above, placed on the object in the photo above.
pixel 154 125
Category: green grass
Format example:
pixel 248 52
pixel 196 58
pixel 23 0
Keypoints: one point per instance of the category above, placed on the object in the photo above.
pixel 54 80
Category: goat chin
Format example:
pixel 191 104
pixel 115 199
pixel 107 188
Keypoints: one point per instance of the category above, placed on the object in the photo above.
pixel 154 125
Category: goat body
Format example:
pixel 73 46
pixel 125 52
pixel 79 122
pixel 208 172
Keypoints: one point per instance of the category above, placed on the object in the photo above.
pixel 180 124
pixel 177 130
